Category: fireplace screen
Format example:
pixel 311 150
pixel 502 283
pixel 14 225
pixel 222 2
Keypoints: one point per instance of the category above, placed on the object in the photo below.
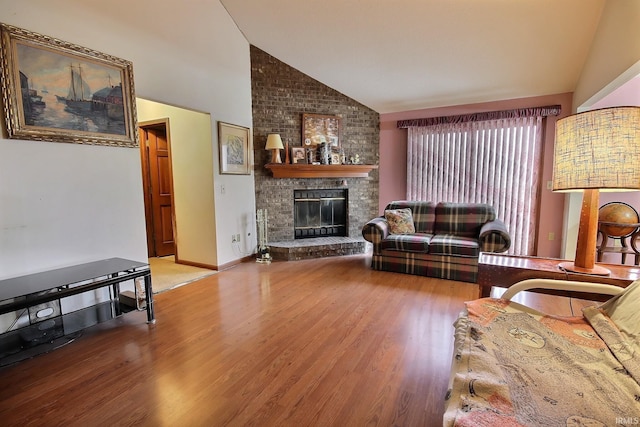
pixel 320 213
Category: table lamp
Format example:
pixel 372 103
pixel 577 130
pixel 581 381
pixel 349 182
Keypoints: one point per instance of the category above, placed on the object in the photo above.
pixel 595 151
pixel 274 143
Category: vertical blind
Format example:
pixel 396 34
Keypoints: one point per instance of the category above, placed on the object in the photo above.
pixel 496 162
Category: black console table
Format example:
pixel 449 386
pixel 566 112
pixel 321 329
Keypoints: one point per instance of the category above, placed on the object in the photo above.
pixel 32 290
pixel 26 291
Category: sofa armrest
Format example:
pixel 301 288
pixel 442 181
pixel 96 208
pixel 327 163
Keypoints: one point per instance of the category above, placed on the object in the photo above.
pixel 494 237
pixel 375 231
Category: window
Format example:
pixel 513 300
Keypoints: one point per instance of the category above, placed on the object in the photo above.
pixel 495 161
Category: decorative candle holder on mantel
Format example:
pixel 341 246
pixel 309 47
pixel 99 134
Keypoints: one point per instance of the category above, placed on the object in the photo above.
pixel 281 170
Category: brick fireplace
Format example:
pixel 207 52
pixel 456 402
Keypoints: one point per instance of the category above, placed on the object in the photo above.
pixel 280 95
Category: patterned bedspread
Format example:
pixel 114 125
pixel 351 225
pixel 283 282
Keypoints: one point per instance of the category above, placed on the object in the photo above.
pixel 514 366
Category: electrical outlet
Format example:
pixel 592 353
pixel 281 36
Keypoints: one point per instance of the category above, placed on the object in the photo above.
pixel 552 235
pixel 233 238
pixel 238 237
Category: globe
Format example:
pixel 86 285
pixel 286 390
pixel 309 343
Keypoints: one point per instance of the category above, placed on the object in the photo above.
pixel 620 213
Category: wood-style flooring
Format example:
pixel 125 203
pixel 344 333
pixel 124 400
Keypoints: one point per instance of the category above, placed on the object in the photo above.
pixel 326 342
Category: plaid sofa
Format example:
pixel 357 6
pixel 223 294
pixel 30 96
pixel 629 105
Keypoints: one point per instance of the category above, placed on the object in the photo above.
pixel 446 244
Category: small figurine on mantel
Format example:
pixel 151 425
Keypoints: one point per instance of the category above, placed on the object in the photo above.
pixel 355 159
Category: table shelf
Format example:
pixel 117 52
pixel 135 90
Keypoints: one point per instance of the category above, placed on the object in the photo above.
pixel 38 296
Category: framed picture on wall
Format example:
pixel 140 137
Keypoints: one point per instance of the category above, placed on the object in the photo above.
pixel 233 142
pixel 61 92
pixel 318 129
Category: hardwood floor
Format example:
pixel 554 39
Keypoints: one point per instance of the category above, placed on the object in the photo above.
pixel 317 342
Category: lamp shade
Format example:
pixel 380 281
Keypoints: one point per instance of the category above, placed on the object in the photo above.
pixel 274 142
pixel 598 149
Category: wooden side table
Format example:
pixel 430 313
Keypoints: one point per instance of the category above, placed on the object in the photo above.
pixel 506 270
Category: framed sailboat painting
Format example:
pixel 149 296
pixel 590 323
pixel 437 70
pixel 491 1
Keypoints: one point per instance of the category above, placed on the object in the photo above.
pixel 57 91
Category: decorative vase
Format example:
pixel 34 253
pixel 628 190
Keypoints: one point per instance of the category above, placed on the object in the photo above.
pixel 324 154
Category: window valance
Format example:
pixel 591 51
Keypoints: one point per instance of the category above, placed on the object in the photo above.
pixel 552 110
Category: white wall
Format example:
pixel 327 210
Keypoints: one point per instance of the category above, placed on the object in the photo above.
pixel 65 203
pixel 615 48
pixel 62 204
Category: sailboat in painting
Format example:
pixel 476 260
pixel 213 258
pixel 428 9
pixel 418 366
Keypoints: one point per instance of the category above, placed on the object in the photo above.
pixel 79 96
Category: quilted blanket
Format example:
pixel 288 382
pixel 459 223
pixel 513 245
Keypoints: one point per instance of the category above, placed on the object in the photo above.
pixel 514 366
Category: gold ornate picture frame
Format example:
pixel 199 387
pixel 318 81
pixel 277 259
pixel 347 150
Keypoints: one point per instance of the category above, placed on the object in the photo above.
pixel 57 91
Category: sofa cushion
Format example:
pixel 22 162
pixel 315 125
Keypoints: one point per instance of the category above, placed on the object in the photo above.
pixel 462 219
pixel 400 221
pixel 418 242
pixel 424 213
pixel 448 244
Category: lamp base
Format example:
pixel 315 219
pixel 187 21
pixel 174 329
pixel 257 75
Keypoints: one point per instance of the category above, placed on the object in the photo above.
pixel 275 156
pixel 596 270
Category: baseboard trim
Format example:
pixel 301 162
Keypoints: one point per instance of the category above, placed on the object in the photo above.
pixel 236 262
pixel 217 267
pixel 197 264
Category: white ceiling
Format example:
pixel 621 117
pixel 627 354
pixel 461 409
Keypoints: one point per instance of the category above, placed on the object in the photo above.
pixel 399 55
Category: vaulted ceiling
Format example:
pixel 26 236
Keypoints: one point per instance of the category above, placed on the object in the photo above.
pixel 399 55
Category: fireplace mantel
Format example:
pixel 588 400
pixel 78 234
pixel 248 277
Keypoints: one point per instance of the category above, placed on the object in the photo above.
pixel 283 170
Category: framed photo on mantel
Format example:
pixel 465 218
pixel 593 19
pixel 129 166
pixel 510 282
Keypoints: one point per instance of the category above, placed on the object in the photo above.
pixel 318 129
pixel 298 155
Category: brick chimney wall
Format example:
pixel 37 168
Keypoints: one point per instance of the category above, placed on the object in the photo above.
pixel 280 95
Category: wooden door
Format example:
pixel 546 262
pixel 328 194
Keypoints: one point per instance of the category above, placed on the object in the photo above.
pixel 157 179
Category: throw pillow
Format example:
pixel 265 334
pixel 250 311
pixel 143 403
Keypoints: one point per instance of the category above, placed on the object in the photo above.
pixel 400 221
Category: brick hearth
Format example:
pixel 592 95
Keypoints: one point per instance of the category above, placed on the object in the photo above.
pixel 317 247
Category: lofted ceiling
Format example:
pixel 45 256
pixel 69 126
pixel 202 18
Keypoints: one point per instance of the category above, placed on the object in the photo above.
pixel 399 55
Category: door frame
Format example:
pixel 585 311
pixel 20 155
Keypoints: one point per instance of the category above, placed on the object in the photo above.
pixel 146 183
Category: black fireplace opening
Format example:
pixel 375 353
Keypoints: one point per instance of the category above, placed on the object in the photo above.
pixel 320 213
